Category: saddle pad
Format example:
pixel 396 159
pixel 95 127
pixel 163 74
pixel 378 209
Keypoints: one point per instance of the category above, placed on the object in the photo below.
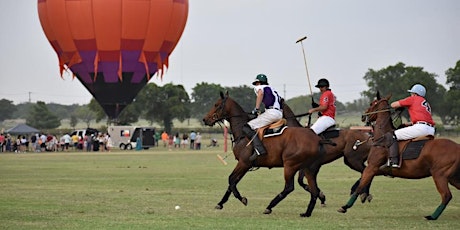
pixel 413 149
pixel 274 132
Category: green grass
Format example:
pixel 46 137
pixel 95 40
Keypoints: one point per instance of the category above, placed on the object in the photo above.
pixel 139 190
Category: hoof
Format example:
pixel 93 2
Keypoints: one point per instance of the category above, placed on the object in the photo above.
pixel 244 201
pixel 219 206
pixel 369 198
pixel 429 218
pixel 363 197
pixel 342 210
pixel 305 215
pixel 322 198
pixel 267 211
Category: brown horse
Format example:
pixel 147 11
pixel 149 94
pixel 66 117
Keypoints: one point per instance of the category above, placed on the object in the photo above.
pixel 353 145
pixel 296 148
pixel 439 158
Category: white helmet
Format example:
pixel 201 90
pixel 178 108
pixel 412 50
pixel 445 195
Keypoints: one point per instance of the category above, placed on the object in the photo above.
pixel 418 89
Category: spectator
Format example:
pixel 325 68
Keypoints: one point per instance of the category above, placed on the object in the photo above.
pixel 198 141
pixel 176 141
pixel 67 140
pixel 184 141
pixel 165 138
pixel 2 142
pixel 192 139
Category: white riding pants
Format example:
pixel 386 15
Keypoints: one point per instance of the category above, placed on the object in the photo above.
pixel 266 118
pixel 414 131
pixel 322 123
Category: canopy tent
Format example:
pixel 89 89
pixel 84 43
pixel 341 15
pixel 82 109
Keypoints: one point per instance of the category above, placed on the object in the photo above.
pixel 22 129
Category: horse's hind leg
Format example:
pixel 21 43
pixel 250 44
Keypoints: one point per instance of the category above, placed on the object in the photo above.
pixel 443 189
pixel 314 191
pixel 288 188
pixel 321 195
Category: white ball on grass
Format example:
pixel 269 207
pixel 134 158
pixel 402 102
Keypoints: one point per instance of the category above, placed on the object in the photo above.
pixel 177 207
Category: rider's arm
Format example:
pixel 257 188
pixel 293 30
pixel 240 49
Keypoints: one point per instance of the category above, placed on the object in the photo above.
pixel 395 105
pixel 260 96
pixel 320 108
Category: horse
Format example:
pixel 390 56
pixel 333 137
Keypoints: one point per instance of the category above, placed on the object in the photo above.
pixel 296 148
pixel 439 158
pixel 353 145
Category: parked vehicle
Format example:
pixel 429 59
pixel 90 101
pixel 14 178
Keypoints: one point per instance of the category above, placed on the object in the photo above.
pixel 125 137
pixel 83 132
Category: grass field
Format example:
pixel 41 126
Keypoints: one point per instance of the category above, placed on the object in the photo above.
pixel 139 190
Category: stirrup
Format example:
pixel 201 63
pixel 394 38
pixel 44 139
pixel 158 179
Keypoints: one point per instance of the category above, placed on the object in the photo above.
pixel 254 155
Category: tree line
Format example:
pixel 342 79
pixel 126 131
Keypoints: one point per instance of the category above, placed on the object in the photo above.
pixel 169 102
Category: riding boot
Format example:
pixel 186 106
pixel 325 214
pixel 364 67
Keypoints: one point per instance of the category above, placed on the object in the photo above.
pixel 394 153
pixel 259 148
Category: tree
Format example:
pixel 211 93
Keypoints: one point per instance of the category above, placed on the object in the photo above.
pixel 97 109
pixel 7 109
pixel 203 97
pixel 244 95
pixel 129 115
pixel 85 114
pixel 41 118
pixel 397 79
pixel 452 97
pixel 163 104
pixel 73 121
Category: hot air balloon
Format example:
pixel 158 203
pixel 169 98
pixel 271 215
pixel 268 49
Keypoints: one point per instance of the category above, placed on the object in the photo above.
pixel 113 47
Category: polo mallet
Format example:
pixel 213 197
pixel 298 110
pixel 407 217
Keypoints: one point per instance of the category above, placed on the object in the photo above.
pixel 222 159
pixel 308 76
pixel 305 61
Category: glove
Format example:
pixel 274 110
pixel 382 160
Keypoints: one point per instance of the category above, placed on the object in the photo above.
pixel 399 109
pixel 314 104
pixel 255 111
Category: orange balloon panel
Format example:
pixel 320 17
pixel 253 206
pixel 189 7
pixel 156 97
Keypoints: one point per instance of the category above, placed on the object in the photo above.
pixel 113 45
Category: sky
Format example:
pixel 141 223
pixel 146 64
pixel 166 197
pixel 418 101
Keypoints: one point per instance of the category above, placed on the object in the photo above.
pixel 230 42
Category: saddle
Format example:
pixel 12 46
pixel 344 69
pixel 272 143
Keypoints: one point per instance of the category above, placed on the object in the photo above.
pixel 331 132
pixel 273 129
pixel 411 148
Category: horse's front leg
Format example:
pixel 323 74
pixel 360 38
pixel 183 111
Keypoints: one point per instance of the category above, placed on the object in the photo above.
pixel 365 195
pixel 288 188
pixel 366 179
pixel 237 174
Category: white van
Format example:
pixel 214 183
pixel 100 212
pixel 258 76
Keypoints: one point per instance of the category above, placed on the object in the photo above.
pixel 125 137
pixel 82 132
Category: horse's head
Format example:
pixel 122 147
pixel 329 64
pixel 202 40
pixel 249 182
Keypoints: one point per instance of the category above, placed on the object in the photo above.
pixel 217 113
pixel 378 105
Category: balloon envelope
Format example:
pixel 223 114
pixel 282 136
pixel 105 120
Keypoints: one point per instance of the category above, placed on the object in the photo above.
pixel 113 46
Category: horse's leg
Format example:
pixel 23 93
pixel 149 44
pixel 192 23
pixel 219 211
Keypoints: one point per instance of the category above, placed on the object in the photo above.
pixel 443 189
pixel 237 174
pixel 366 179
pixel 358 165
pixel 321 195
pixel 314 191
pixel 289 174
pixel 365 195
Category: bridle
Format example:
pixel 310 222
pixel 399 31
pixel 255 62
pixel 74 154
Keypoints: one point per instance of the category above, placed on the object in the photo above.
pixel 367 114
pixel 220 110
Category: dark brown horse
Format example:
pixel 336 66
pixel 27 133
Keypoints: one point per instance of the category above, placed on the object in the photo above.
pixel 353 145
pixel 439 158
pixel 296 148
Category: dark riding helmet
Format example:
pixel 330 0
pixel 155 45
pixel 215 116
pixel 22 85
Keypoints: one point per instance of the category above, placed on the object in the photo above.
pixel 260 78
pixel 322 82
